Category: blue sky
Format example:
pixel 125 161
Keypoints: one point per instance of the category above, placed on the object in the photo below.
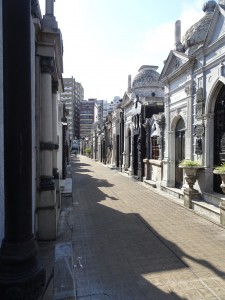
pixel 106 40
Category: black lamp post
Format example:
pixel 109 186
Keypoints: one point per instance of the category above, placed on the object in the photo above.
pixel 21 274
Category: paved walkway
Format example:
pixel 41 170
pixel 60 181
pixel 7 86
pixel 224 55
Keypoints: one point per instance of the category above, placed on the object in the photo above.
pixel 133 243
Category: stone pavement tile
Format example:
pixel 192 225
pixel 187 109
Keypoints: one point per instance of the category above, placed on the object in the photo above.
pixel 206 293
pixel 194 294
pixel 218 290
pixel 135 243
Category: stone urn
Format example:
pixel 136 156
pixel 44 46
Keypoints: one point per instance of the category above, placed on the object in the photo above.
pixel 190 175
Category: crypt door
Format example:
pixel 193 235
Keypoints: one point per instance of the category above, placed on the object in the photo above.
pixel 179 151
pixel 219 137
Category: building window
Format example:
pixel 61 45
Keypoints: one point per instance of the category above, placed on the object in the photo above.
pixel 155 148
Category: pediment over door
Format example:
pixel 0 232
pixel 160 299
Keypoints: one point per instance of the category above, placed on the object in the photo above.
pixel 174 62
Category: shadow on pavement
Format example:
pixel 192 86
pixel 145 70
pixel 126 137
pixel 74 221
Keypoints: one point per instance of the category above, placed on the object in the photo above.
pixel 120 258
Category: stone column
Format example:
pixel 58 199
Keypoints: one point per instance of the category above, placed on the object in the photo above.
pixel 21 275
pixel 47 211
pixel 167 154
pixel 209 125
pixel 55 141
pixel 113 150
pixel 132 152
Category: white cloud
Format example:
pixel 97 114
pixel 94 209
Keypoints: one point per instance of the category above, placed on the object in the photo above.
pixel 156 43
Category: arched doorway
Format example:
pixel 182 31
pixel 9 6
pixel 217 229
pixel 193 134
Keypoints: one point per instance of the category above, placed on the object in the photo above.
pixel 219 136
pixel 179 151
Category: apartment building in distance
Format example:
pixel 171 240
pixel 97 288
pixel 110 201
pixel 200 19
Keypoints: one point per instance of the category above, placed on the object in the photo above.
pixel 88 116
pixel 79 96
pixel 102 110
pixel 72 96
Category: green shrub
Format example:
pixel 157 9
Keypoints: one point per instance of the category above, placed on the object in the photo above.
pixel 87 151
pixel 189 163
pixel 220 168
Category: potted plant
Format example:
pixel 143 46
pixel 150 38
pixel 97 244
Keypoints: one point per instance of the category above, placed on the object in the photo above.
pixel 190 168
pixel 220 170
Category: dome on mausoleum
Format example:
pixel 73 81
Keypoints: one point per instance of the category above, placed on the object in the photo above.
pixel 196 34
pixel 146 83
pixel 147 77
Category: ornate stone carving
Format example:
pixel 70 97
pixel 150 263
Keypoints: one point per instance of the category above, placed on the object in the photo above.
pixel 199 130
pixel 199 95
pixel 199 109
pixel 198 146
pixel 187 90
pixel 222 148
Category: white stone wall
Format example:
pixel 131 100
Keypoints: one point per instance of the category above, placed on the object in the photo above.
pixel 1 136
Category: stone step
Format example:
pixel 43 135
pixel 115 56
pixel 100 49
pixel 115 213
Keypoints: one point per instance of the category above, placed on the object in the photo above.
pixel 207 210
pixel 150 182
pixel 214 198
pixel 178 193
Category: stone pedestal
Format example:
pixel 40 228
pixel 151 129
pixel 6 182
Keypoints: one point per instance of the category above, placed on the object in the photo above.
pixel 189 195
pixel 124 166
pixel 188 198
pixel 147 169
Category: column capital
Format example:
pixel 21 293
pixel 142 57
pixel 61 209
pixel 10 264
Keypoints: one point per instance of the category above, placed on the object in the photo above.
pixel 47 64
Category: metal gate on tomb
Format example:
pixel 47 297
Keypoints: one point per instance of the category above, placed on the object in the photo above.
pixel 179 151
pixel 219 137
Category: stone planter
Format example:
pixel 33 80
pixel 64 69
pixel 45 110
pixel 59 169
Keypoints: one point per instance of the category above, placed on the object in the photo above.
pixel 190 175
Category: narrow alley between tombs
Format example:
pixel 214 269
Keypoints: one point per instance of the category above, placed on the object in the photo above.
pixel 135 243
